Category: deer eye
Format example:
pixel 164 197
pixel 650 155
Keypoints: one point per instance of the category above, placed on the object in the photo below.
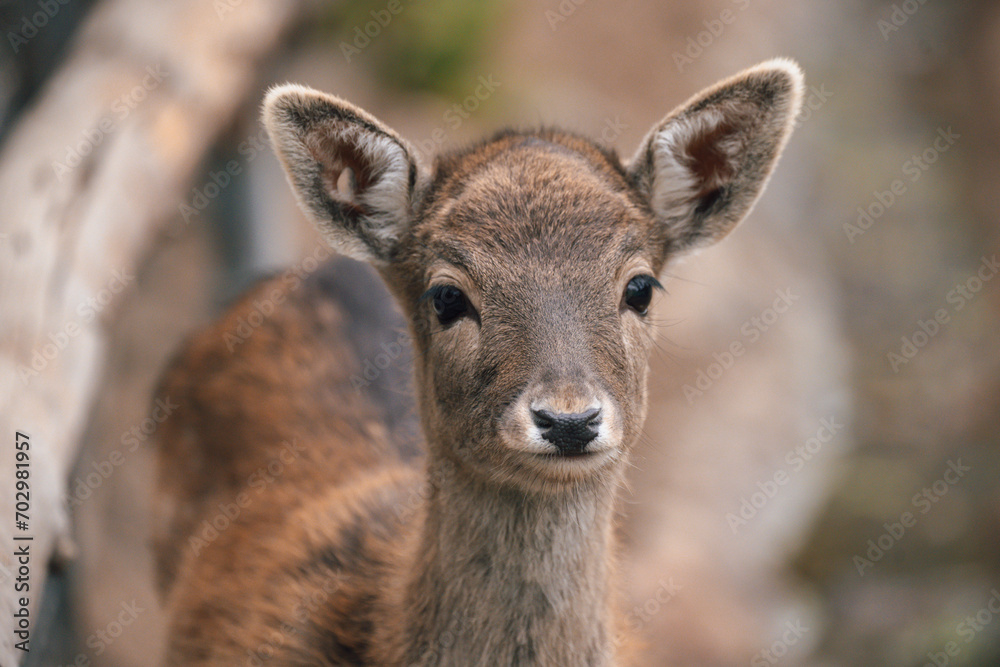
pixel 639 292
pixel 449 303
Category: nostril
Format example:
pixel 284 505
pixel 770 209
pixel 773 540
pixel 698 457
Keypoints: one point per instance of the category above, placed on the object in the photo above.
pixel 543 419
pixel 569 432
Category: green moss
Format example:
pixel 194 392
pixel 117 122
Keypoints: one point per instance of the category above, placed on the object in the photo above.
pixel 429 45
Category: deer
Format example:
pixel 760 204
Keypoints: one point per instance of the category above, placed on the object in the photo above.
pixel 289 529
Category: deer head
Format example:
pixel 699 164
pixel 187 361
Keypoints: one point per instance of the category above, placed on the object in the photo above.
pixel 527 264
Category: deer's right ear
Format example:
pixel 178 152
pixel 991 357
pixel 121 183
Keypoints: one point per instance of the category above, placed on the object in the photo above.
pixel 352 175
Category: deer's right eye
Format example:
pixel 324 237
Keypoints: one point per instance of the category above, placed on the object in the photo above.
pixel 449 303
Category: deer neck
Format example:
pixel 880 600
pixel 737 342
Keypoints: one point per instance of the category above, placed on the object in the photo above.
pixel 509 577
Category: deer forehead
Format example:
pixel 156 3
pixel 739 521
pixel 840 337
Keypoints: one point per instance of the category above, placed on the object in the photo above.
pixel 537 211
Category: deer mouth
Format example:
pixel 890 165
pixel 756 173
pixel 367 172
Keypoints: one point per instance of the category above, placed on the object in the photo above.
pixel 575 455
pixel 573 463
pixel 561 455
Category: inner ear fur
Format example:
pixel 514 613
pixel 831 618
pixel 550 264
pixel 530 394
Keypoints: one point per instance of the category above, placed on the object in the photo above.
pixel 352 175
pixel 702 168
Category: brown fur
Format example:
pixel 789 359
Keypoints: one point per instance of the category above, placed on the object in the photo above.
pixel 501 552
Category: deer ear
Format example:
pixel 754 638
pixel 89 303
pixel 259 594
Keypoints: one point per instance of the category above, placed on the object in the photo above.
pixel 702 168
pixel 353 176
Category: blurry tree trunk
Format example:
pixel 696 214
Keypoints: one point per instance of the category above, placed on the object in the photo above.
pixel 92 169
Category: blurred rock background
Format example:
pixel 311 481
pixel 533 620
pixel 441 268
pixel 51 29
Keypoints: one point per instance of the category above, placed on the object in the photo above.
pixel 763 520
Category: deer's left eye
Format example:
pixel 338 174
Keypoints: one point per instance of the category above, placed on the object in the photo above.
pixel 639 293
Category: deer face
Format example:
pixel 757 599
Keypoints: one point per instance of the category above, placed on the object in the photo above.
pixel 533 272
pixel 527 264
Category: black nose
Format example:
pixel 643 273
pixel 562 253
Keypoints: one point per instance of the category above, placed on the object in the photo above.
pixel 570 433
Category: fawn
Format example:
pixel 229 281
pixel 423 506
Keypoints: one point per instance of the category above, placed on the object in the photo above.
pixel 291 531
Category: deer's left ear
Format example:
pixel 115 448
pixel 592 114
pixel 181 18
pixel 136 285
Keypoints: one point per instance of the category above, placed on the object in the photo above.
pixel 702 168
